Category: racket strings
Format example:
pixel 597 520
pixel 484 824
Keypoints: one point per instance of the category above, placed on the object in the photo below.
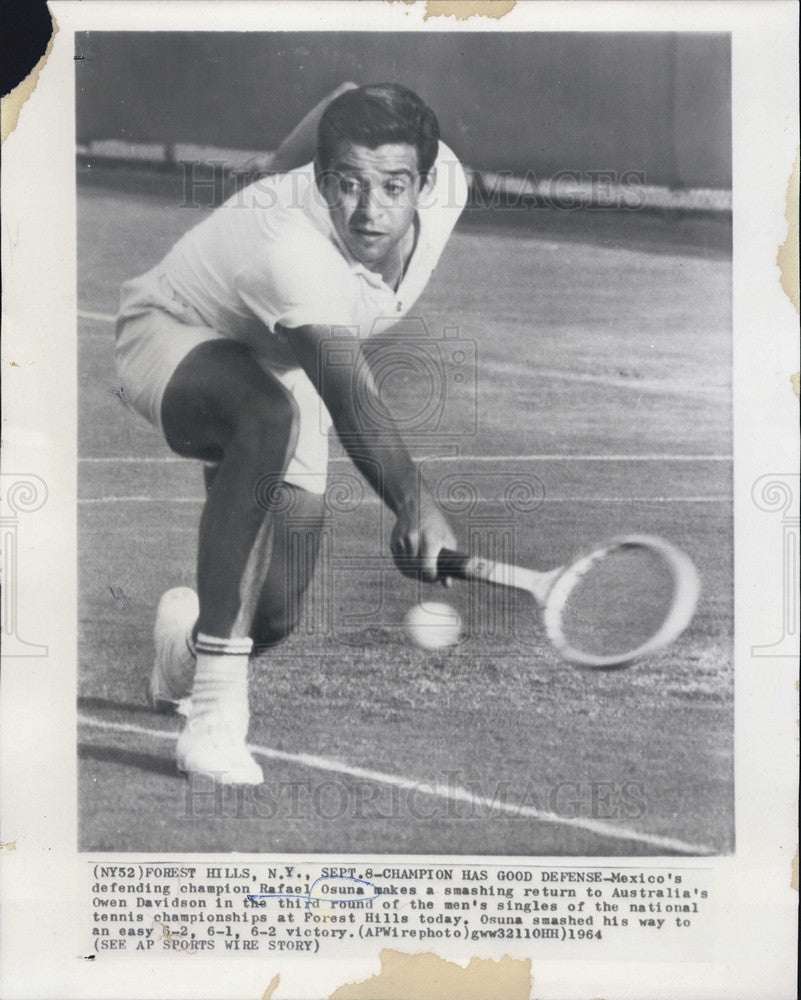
pixel 618 601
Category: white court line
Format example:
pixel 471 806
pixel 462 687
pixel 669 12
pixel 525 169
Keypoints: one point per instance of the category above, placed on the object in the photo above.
pixel 141 499
pixel 96 317
pixel 374 500
pixel 464 459
pixel 648 386
pixel 434 790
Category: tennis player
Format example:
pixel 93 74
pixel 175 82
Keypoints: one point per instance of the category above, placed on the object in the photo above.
pixel 221 346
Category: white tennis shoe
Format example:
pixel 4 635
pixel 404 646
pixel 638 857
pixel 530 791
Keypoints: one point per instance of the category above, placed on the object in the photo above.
pixel 216 749
pixel 170 684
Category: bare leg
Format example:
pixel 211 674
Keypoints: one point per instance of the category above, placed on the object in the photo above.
pixel 221 405
pixel 295 548
pixel 296 544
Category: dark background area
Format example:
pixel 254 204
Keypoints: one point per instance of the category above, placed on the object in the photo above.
pixel 541 102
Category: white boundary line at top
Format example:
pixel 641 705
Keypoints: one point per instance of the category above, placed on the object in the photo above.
pixel 177 460
pixel 369 499
pixel 433 790
pixel 487 182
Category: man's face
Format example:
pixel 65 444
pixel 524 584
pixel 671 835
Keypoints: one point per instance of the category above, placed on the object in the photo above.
pixel 372 196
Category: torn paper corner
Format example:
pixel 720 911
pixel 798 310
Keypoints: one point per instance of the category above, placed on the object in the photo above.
pixel 272 987
pixel 787 257
pixel 429 977
pixel 462 10
pixel 12 103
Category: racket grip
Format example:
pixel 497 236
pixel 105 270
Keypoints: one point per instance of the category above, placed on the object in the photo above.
pixel 450 563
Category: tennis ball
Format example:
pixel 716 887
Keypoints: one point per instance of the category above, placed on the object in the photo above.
pixel 433 625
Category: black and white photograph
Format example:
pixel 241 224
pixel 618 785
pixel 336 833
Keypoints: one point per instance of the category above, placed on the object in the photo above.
pixel 405 516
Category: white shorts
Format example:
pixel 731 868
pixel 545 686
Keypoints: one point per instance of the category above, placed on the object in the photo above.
pixel 152 344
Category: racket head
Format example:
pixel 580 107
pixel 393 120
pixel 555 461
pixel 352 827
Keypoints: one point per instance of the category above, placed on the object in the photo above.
pixel 621 601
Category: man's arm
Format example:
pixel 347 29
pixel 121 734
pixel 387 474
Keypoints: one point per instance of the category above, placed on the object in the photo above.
pixel 299 146
pixel 368 432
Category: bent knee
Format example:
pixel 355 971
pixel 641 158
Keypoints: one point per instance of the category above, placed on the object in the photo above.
pixel 266 426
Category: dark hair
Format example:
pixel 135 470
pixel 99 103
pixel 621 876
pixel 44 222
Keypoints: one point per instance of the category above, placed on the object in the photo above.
pixel 375 115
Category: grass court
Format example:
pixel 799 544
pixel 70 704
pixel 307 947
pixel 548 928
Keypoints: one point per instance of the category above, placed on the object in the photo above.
pixel 599 403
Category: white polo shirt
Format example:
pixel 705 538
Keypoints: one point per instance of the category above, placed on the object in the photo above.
pixel 270 256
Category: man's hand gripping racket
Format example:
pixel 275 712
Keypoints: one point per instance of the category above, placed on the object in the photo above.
pixel 610 606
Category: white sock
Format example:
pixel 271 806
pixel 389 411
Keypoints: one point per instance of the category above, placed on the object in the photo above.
pixel 220 692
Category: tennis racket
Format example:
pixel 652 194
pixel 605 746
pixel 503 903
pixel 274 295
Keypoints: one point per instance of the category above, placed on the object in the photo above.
pixel 612 605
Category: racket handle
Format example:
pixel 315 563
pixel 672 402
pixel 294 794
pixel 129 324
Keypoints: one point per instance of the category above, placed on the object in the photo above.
pixel 462 567
pixel 455 564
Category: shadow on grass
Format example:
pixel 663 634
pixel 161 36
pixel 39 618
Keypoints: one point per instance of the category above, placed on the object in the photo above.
pixel 164 766
pixel 108 704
